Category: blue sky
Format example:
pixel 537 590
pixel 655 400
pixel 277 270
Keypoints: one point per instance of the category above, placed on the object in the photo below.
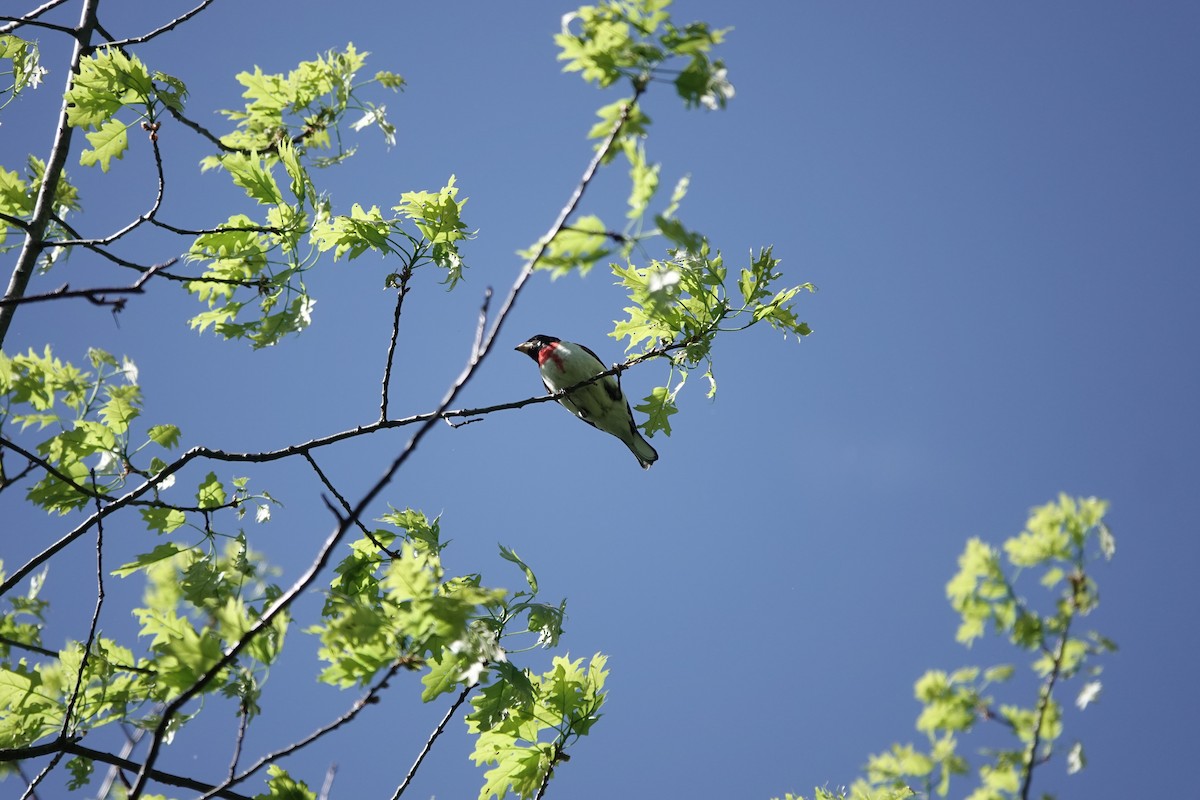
pixel 998 203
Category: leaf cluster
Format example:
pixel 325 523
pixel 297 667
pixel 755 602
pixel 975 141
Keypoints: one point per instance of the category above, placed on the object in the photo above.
pixel 212 622
pixel 1060 540
pixel 24 66
pixel 88 414
pixel 514 716
pixel 637 40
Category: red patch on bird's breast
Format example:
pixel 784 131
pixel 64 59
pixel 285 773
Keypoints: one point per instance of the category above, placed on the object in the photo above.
pixel 550 353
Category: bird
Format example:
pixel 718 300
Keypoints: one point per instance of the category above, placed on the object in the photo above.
pixel 601 404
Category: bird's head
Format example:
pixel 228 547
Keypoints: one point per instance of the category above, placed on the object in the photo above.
pixel 535 344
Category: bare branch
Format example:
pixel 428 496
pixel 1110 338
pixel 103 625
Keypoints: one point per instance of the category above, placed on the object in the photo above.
pixel 94 296
pixel 46 465
pixel 137 222
pixel 41 776
pixel 405 276
pixel 29 18
pixel 345 505
pixel 65 732
pixel 1042 707
pixel 59 748
pixel 43 206
pixel 243 720
pixel 163 29
pixel 441 726
pixel 442 413
pixel 327 786
pixel 19 21
pixel 369 698
pixel 16 222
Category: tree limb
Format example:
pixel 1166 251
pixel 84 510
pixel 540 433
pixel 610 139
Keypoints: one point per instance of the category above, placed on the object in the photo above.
pixel 43 206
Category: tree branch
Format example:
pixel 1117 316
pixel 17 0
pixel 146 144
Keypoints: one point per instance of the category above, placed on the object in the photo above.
pixel 28 19
pixel 60 748
pixel 93 296
pixel 65 732
pixel 163 29
pixel 405 276
pixel 131 497
pixel 1042 707
pixel 369 698
pixel 441 726
pixel 43 206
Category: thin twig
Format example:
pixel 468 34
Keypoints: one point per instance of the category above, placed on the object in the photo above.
pixel 161 30
pixel 30 17
pixel 30 792
pixel 367 699
pixel 405 276
pixel 94 296
pixel 1042 707
pixel 50 26
pixel 65 731
pixel 327 786
pixel 59 748
pixel 549 773
pixel 441 726
pixel 243 719
pixel 346 506
pixel 110 777
pixel 32 648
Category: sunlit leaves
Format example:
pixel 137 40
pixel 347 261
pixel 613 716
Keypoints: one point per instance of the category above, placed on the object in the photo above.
pixel 24 67
pixel 353 234
pixel 108 81
pixel 304 107
pixel 523 726
pixel 17 196
pixel 1060 536
pixel 382 608
pixel 253 174
pixel 635 40
pixel 237 254
pixel 576 247
pixel 282 786
pixel 438 218
pixel 109 141
pixel 90 414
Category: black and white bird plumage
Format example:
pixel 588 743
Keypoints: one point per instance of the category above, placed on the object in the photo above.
pixel 601 404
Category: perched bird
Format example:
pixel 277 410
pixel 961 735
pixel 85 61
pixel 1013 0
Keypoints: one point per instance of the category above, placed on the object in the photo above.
pixel 601 404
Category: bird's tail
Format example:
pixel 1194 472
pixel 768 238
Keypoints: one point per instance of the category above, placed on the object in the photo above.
pixel 646 455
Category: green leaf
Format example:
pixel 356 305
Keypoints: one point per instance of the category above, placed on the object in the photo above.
pixel 162 552
pixel 109 142
pixel 106 81
pixel 281 786
pixel 511 555
pixel 211 493
pixel 355 234
pixel 389 80
pixel 81 772
pixel 444 676
pixel 163 520
pixel 251 172
pixel 577 247
pixel 660 406
pixel 165 435
pixel 121 407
